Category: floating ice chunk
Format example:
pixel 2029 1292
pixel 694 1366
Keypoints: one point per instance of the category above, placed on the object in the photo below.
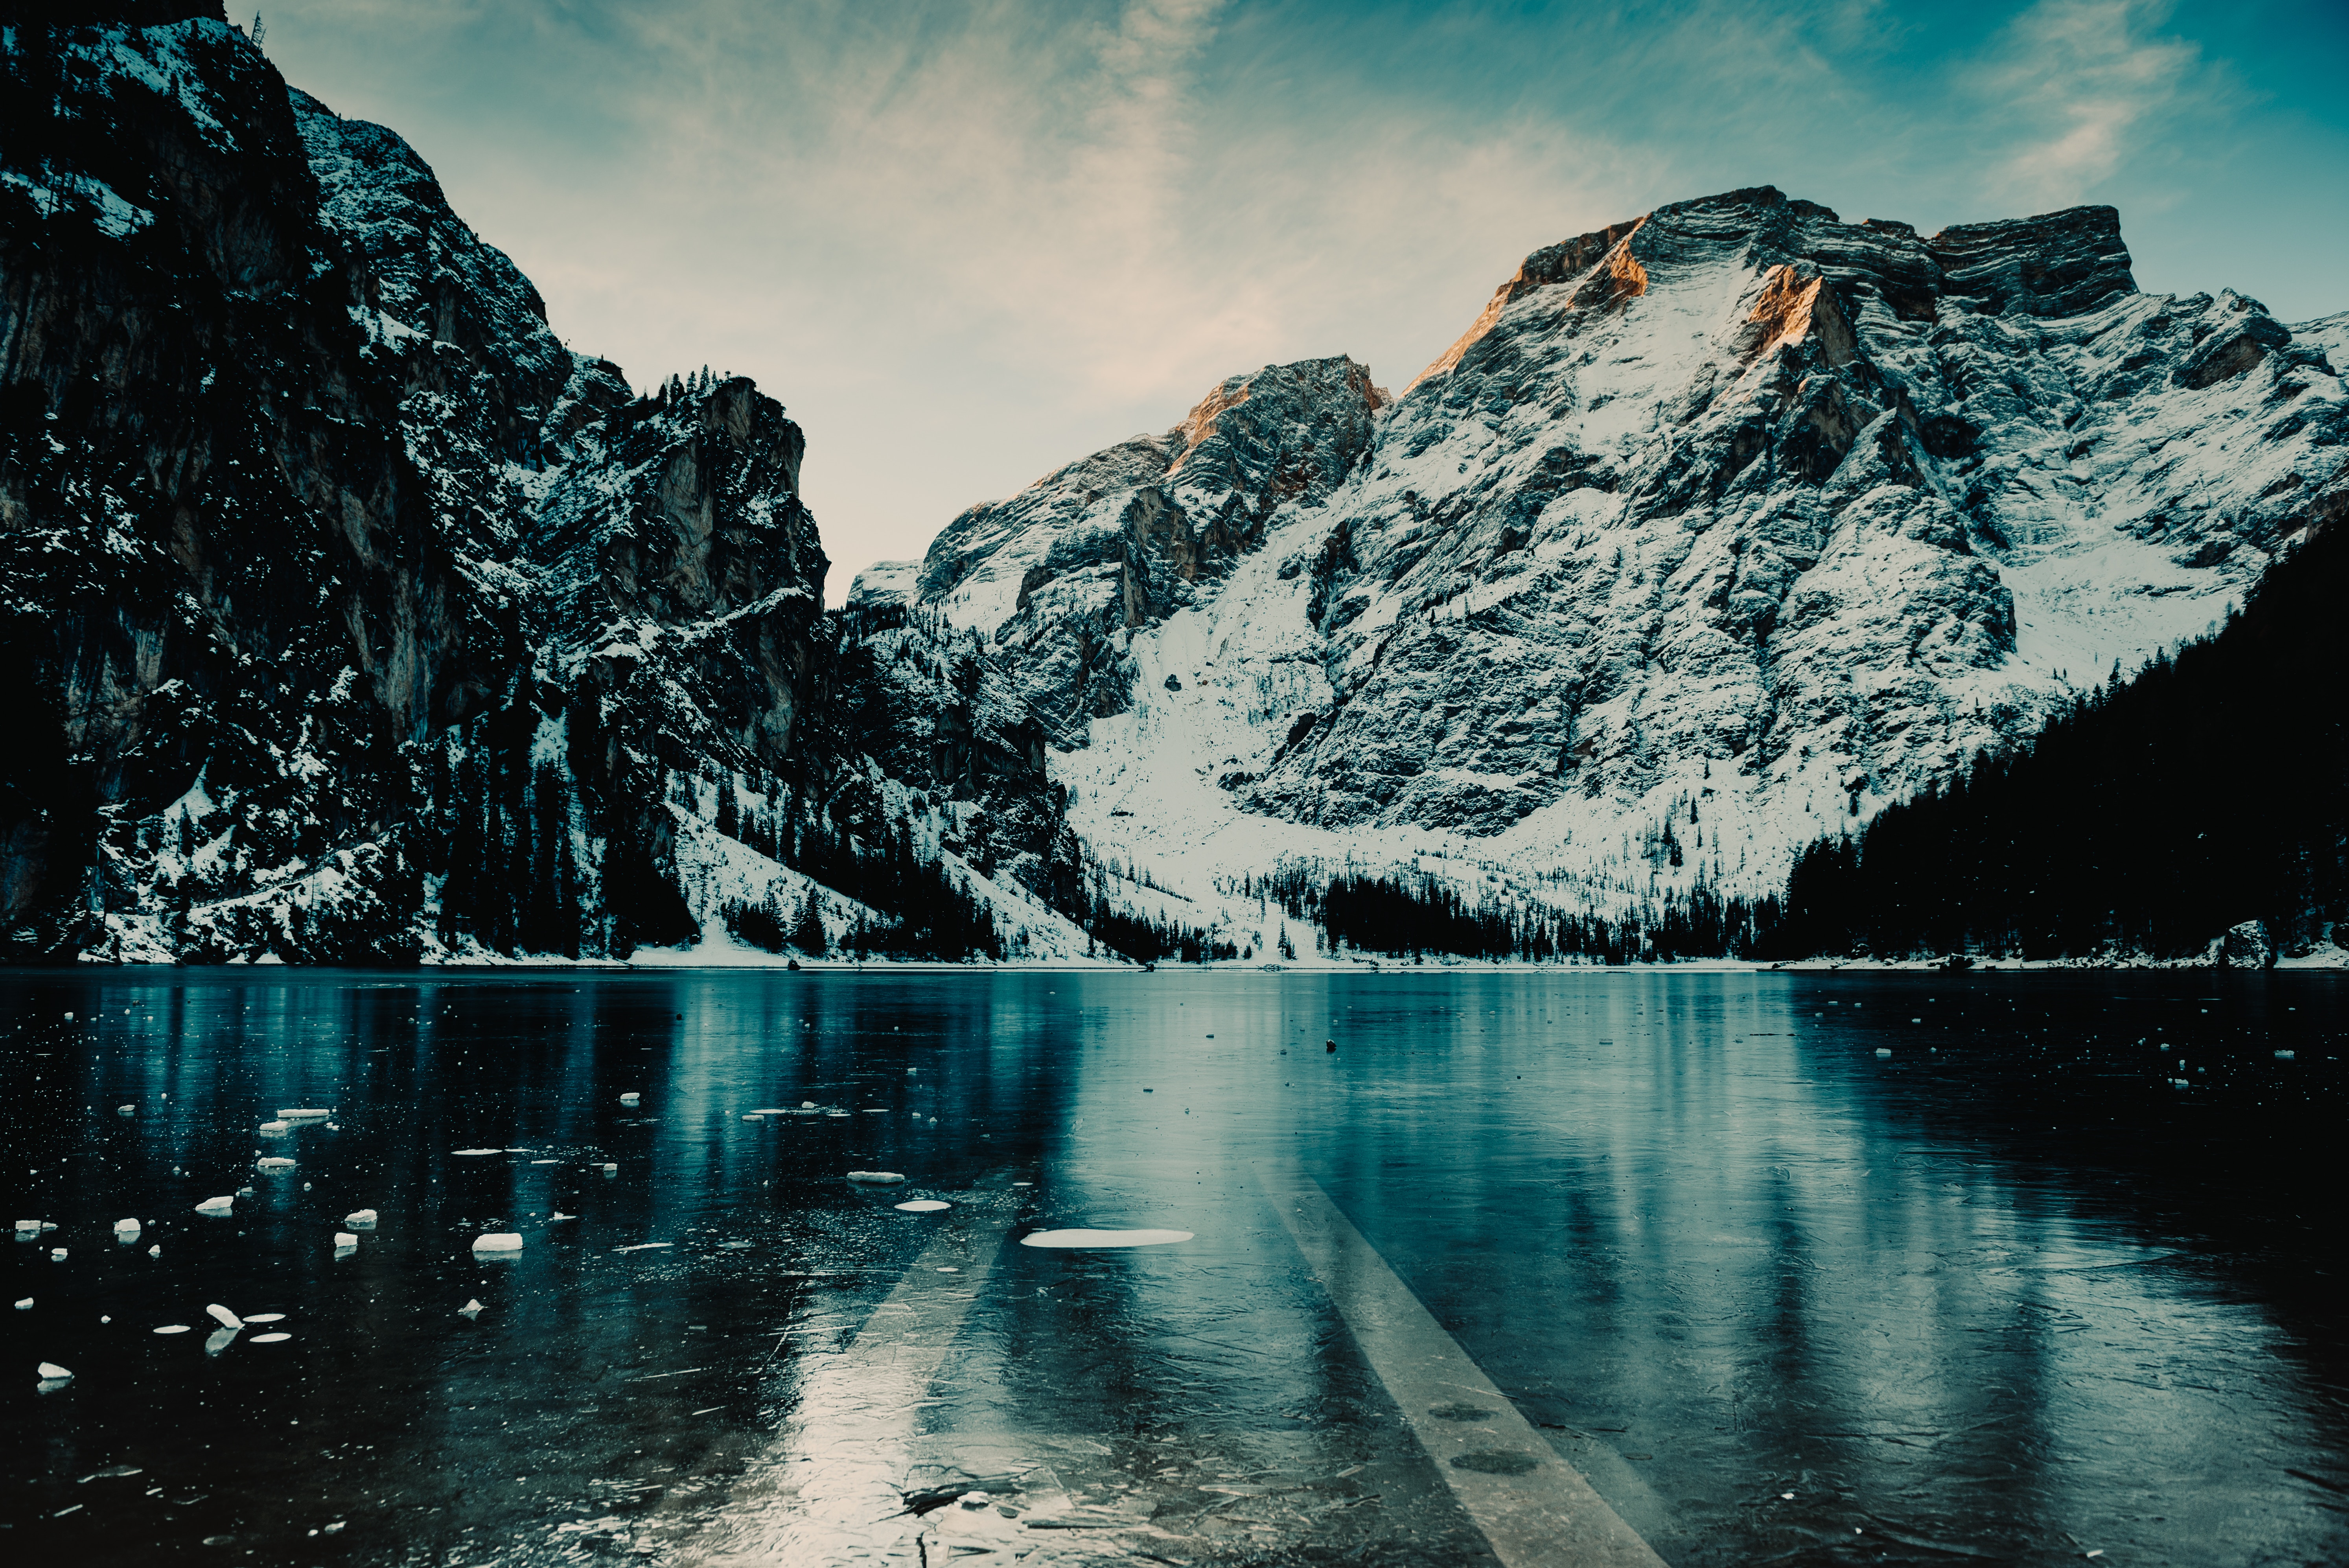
pixel 360 1219
pixel 497 1242
pixel 471 1309
pixel 559 1214
pixel 2286 1055
pixel 29 1227
pixel 223 1316
pixel 1103 1238
pixel 924 1206
pixel 220 1339
pixel 275 1162
pixel 276 1128
pixel 643 1246
pixel 300 1115
pixel 1883 1050
pixel 26 1305
pixel 632 1097
pixel 610 1169
pixel 807 1104
pixel 172 1328
pixel 270 1338
pixel 155 1252
pixel 264 1318
pixel 345 1239
pixel 126 1109
pixel 469 1153
pixel 769 1111
pixel 56 1254
pixel 51 1369
pixel 879 1178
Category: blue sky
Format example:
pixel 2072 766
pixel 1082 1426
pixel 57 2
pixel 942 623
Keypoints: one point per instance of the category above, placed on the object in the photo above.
pixel 966 242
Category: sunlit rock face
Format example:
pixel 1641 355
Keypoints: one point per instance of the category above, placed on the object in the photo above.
pixel 1719 528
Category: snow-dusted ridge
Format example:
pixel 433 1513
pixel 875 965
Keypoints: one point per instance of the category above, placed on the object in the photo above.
pixel 1718 529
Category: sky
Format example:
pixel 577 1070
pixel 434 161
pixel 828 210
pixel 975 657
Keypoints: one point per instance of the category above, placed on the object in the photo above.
pixel 966 242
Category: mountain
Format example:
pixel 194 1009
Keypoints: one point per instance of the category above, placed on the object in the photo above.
pixel 349 617
pixel 1718 529
pixel 2199 810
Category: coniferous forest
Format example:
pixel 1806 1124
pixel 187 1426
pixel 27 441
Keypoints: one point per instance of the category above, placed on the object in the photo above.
pixel 2212 789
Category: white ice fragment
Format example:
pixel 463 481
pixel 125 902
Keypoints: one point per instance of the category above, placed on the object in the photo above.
pixel 300 1115
pixel 497 1242
pixel 632 1097
pixel 126 1230
pixel 69 1017
pixel 29 1227
pixel 345 1239
pixel 223 1316
pixel 155 1252
pixel 771 1110
pixel 275 1162
pixel 924 1206
pixel 471 1309
pixel 1103 1238
pixel 879 1178
pixel 172 1328
pixel 2282 1057
pixel 26 1305
pixel 51 1369
pixel 610 1169
pixel 559 1214
pixel 360 1219
pixel 1883 1050
pixel 220 1339
pixel 215 1206
pixel 270 1338
pixel 469 1153
pixel 264 1318
pixel 126 1110
pixel 807 1104
pixel 276 1128
pixel 56 1254
pixel 643 1246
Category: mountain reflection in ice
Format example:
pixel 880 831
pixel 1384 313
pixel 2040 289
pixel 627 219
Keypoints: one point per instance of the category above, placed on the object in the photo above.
pixel 2003 1290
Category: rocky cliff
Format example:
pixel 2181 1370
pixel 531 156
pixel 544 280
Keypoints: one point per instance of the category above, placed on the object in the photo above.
pixel 1720 527
pixel 347 614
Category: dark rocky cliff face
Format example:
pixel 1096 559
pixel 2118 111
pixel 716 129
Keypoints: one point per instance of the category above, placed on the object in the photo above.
pixel 344 614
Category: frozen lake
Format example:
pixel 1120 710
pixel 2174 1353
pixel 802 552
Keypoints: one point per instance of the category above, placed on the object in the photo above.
pixel 1691 1241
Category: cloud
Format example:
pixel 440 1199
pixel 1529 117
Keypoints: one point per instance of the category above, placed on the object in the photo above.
pixel 2087 84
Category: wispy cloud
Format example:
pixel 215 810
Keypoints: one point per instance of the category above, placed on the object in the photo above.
pixel 968 240
pixel 2087 83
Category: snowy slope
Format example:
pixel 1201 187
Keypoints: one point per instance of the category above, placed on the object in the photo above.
pixel 1718 529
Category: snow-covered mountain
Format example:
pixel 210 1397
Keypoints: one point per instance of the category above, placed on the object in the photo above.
pixel 1716 531
pixel 347 615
